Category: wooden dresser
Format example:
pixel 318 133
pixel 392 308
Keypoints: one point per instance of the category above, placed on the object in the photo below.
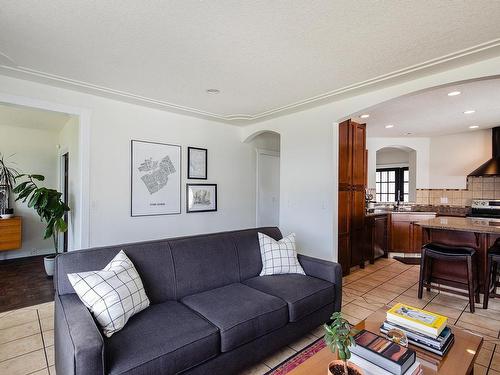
pixel 10 233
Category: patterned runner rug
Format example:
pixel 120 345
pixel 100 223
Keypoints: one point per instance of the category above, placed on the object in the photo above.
pixel 289 364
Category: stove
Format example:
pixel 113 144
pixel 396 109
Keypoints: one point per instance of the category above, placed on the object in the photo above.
pixel 488 209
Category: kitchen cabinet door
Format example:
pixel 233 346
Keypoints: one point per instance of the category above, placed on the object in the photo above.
pixel 400 236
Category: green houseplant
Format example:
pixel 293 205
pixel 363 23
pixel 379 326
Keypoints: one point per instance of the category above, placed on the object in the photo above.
pixel 8 176
pixel 338 337
pixel 49 206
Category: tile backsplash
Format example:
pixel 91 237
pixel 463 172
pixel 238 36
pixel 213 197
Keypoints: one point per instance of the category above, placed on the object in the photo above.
pixel 477 188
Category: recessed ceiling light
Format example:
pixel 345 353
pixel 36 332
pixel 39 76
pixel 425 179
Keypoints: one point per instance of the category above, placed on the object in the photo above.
pixel 469 112
pixel 473 127
pixel 366 115
pixel 454 93
pixel 213 91
pixel 389 126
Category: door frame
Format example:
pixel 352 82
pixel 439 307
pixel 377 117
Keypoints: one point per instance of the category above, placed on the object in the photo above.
pixel 83 114
pixel 259 152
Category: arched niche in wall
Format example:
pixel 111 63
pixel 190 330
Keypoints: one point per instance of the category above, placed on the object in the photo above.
pixel 395 174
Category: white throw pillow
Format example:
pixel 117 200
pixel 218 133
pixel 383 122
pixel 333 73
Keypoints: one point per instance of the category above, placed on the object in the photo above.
pixel 279 257
pixel 113 295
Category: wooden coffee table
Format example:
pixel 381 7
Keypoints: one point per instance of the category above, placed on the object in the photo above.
pixel 459 360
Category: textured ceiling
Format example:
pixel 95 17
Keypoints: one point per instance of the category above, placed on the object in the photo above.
pixel 11 115
pixel 264 56
pixel 433 112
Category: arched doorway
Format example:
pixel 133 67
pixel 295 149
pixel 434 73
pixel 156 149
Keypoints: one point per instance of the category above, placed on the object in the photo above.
pixel 395 174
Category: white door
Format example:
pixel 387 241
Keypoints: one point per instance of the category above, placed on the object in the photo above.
pixel 268 189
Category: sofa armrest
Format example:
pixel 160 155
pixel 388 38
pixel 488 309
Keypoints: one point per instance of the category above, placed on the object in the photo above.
pixel 323 269
pixel 79 346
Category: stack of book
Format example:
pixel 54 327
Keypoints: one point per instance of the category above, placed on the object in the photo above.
pixel 423 329
pixel 377 355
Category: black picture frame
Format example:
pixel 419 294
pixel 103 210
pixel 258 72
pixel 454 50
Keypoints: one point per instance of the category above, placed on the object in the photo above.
pixel 190 176
pixel 136 141
pixel 189 210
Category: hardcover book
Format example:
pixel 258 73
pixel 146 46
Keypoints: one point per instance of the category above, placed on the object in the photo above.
pixel 418 320
pixel 383 353
pixel 413 335
pixel 438 351
pixel 371 369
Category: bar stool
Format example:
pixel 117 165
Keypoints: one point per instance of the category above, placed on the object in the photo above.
pixel 447 253
pixel 491 280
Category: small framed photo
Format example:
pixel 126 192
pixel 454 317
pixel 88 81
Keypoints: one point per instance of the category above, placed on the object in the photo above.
pixel 197 163
pixel 201 197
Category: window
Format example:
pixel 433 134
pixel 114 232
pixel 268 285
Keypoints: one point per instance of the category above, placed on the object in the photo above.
pixel 393 184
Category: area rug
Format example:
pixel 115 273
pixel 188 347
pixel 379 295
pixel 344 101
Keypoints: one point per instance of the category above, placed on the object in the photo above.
pixel 408 260
pixel 292 362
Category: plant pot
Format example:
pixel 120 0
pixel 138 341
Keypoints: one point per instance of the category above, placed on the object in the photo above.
pixel 337 368
pixel 49 262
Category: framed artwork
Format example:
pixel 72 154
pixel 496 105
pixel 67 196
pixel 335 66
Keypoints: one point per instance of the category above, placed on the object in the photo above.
pixel 197 163
pixel 201 197
pixel 155 179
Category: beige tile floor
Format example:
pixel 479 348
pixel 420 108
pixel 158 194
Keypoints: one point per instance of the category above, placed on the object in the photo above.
pixel 27 335
pixel 27 341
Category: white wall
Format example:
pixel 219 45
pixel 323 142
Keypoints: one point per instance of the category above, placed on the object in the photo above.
pixel 453 157
pixel 308 161
pixel 392 156
pixel 112 125
pixel 309 165
pixel 418 159
pixel 441 162
pixel 35 153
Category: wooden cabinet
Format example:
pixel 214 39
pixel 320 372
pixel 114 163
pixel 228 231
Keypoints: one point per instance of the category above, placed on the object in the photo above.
pixel 376 237
pixel 352 183
pixel 10 233
pixel 405 236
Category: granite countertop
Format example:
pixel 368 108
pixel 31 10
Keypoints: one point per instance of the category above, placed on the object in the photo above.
pixel 387 212
pixel 463 224
pixel 414 212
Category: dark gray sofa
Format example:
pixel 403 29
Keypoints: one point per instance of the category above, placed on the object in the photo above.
pixel 210 312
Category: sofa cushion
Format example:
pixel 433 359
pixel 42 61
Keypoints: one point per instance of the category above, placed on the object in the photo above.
pixel 279 257
pixel 247 244
pixel 241 313
pixel 203 263
pixel 164 339
pixel 303 294
pixel 113 294
pixel 152 260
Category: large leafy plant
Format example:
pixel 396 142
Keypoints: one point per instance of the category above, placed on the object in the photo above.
pixel 339 336
pixel 8 175
pixel 46 202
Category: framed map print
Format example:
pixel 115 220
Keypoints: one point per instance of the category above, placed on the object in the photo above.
pixel 197 163
pixel 155 179
pixel 201 197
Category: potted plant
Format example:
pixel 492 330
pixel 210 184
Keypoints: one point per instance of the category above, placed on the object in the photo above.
pixel 338 337
pixel 8 176
pixel 49 206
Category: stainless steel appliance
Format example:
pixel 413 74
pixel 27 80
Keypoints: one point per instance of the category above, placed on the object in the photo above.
pixel 485 209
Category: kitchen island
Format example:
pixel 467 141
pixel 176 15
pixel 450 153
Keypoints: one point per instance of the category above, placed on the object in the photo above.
pixel 479 234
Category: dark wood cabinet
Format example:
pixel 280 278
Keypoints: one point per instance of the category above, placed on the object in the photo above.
pixel 376 236
pixel 352 183
pixel 405 236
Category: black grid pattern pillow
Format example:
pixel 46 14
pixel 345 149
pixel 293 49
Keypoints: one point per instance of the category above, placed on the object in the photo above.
pixel 113 295
pixel 279 257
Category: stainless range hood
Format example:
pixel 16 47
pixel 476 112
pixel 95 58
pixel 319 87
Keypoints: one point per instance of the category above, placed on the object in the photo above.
pixel 492 166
